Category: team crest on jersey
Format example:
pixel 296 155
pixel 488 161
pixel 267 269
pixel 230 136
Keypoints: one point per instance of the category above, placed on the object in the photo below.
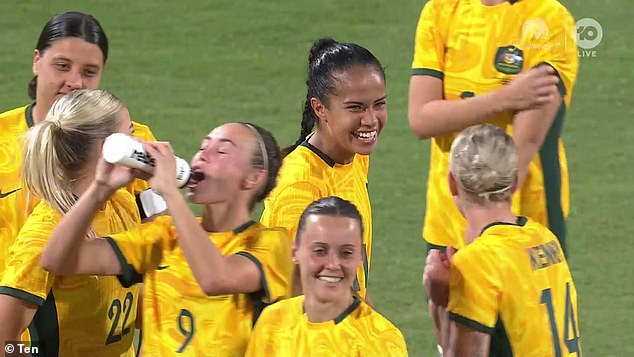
pixel 509 60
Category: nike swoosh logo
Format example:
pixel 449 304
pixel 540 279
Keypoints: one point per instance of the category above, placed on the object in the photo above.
pixel 3 195
pixel 162 267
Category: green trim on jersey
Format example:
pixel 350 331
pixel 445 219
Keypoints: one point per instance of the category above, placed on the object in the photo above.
pixel 355 303
pixel 44 329
pixel 521 222
pixel 258 264
pixel 428 72
pixel 128 276
pixel 471 323
pixel 551 169
pixel 322 155
pixel 243 227
pixel 500 344
pixel 28 113
pixel 22 295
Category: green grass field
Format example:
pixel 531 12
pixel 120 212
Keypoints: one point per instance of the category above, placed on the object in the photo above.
pixel 185 67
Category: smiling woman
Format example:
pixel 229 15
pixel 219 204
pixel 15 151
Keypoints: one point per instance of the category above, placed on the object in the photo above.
pixel 346 105
pixel 70 54
pixel 329 319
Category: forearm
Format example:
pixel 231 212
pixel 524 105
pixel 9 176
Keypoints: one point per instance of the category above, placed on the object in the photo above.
pixel 466 341
pixel 60 254
pixel 201 253
pixel 439 117
pixel 16 317
pixel 530 128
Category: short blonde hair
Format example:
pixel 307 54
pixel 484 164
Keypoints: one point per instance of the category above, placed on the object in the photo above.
pixel 483 161
pixel 57 148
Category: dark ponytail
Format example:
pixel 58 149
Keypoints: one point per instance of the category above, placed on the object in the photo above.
pixel 70 24
pixel 327 59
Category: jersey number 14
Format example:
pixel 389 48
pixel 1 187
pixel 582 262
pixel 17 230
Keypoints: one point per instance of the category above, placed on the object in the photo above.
pixel 570 323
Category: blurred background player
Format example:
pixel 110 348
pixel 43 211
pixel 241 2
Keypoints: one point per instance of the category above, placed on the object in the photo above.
pixel 206 280
pixel 511 292
pixel 329 319
pixel 74 315
pixel 345 103
pixel 70 54
pixel 508 63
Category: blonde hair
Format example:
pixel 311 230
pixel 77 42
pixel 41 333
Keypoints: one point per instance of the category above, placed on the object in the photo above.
pixel 59 147
pixel 483 161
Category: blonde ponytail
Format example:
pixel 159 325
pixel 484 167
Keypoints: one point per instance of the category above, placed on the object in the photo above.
pixel 58 148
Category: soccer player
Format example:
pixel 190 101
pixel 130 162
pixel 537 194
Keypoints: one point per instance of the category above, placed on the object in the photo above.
pixel 329 319
pixel 74 315
pixel 70 54
pixel 508 63
pixel 510 290
pixel 207 280
pixel 345 105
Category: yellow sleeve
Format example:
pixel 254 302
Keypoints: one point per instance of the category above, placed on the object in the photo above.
pixel 140 250
pixel 144 133
pixel 391 343
pixel 285 209
pixel 559 49
pixel 270 251
pixel 264 335
pixel 429 46
pixel 474 289
pixel 23 277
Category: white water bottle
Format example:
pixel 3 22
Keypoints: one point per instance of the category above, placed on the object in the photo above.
pixel 121 149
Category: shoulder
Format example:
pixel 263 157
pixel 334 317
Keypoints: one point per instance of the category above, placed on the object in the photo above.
pixel 261 236
pixel 43 213
pixel 282 309
pixel 551 11
pixel 301 165
pixel 301 170
pixel 12 113
pixel 143 131
pixel 375 319
pixel 13 118
pixel 441 7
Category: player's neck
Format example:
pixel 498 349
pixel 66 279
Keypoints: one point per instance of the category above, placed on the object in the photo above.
pixel 330 148
pixel 480 216
pixel 224 217
pixel 492 2
pixel 318 311
pixel 39 113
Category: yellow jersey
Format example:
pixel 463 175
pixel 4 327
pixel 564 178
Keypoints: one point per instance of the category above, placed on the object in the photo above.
pixel 475 49
pixel 77 315
pixel 178 317
pixel 307 174
pixel 284 330
pixel 16 203
pixel 513 282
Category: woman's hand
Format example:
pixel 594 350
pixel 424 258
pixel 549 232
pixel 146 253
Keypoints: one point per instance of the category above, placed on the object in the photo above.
pixel 163 181
pixel 531 89
pixel 110 177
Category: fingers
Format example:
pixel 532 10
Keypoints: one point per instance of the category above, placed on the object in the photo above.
pixel 141 174
pixel 450 252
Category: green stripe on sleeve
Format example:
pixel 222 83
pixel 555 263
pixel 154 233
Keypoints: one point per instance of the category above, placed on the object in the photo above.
pixel 265 285
pixel 471 323
pixel 428 72
pixel 22 295
pixel 128 276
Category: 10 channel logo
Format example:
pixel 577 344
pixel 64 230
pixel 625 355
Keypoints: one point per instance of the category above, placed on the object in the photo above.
pixel 589 36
